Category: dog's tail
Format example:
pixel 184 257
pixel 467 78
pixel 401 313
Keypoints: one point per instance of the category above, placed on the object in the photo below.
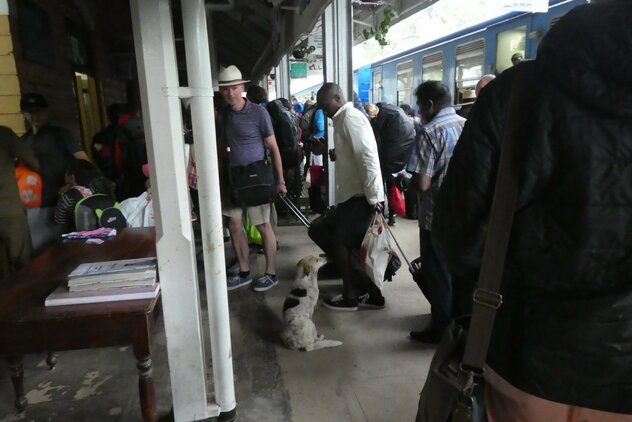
pixel 322 343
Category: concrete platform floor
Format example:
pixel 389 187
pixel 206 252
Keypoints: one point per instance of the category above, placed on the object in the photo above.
pixel 375 376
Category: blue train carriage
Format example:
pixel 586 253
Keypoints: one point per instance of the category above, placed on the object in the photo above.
pixel 462 58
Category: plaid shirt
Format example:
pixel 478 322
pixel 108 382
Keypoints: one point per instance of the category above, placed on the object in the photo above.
pixel 432 151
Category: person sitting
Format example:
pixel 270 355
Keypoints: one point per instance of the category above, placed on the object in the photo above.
pixel 82 180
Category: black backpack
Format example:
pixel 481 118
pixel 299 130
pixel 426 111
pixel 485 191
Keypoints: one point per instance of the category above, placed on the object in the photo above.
pixel 306 122
pixel 98 210
pixel 286 134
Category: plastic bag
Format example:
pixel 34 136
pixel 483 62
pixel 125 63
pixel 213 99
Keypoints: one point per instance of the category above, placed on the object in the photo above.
pixel 396 201
pixel 375 251
pixel 139 211
pixel 252 232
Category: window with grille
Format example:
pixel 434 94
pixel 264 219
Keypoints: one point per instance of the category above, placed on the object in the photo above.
pixel 404 82
pixel 432 67
pixel 470 63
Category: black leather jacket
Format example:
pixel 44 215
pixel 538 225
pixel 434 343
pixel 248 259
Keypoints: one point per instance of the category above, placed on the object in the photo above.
pixel 564 332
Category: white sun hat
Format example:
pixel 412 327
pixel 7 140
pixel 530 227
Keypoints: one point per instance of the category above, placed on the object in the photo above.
pixel 230 76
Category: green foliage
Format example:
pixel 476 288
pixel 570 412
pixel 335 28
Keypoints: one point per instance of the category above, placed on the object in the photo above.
pixel 304 46
pixel 382 29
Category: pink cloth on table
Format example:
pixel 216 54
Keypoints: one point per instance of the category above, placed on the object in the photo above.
pixel 506 403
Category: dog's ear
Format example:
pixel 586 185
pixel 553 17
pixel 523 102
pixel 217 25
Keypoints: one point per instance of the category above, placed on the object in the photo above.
pixel 306 269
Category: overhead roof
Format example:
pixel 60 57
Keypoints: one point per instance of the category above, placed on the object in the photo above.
pixel 255 34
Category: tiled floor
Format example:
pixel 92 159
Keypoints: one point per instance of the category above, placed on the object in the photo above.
pixel 375 376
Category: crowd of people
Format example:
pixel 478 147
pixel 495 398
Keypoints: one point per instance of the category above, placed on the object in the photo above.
pixel 561 343
pixel 58 173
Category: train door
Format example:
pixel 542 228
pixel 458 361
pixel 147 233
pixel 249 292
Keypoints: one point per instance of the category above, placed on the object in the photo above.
pixel 376 84
pixel 404 82
pixel 509 45
pixel 364 83
pixel 470 65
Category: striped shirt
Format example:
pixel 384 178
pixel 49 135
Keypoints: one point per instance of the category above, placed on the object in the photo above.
pixel 432 151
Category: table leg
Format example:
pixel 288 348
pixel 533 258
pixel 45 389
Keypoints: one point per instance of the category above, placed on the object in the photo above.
pixel 16 368
pixel 146 389
pixel 51 360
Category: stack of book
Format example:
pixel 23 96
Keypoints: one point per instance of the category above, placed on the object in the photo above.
pixel 125 279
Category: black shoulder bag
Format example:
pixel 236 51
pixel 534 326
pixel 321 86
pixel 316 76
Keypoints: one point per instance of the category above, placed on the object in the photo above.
pixel 453 391
pixel 255 183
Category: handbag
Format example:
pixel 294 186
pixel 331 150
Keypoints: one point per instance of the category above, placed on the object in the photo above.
pixel 453 391
pixel 253 184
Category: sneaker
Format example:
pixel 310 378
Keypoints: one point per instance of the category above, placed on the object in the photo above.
pixel 339 303
pixel 366 301
pixel 233 269
pixel 237 281
pixel 265 283
pixel 429 336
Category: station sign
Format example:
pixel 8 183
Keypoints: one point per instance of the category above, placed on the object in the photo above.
pixel 534 6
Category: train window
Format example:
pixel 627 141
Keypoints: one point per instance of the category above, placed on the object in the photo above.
pixel 376 95
pixel 404 82
pixel 509 43
pixel 432 67
pixel 470 62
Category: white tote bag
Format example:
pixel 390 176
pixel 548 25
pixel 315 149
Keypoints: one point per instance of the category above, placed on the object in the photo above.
pixel 375 250
pixel 139 211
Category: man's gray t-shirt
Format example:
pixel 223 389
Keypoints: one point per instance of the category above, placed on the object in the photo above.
pixel 245 131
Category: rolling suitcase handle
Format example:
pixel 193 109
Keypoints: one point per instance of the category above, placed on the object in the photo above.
pixel 296 211
pixel 415 266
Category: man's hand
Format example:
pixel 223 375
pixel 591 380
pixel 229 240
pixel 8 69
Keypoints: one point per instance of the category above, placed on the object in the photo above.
pixel 317 145
pixel 379 207
pixel 281 188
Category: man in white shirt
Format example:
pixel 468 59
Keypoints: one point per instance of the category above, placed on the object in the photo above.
pixel 359 194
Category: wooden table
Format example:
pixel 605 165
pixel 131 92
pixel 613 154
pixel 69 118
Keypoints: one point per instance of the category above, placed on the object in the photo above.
pixel 26 326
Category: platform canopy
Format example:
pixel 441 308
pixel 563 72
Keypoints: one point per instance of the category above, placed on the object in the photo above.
pixel 255 34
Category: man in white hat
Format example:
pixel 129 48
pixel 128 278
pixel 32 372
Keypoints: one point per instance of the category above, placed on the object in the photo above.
pixel 247 128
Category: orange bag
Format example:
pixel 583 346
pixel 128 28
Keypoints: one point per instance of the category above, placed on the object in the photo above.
pixel 29 186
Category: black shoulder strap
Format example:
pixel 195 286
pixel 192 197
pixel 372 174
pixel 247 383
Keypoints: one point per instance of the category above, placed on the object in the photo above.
pixel 487 298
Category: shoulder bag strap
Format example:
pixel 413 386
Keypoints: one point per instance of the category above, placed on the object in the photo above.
pixel 487 298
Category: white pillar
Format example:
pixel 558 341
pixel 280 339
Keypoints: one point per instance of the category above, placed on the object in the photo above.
pixel 282 79
pixel 337 32
pixel 157 70
pixel 203 119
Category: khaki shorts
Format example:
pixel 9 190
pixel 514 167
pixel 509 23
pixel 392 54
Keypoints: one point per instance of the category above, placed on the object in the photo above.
pixel 259 214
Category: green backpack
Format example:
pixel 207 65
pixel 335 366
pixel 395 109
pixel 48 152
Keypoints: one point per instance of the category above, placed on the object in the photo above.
pixel 98 210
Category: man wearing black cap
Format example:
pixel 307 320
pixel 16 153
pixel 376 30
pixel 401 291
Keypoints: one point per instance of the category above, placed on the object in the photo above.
pixel 55 148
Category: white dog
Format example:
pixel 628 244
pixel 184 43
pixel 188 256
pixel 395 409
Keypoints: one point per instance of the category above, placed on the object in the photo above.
pixel 299 332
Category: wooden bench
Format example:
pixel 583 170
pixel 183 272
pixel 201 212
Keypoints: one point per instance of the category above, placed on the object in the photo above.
pixel 27 326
